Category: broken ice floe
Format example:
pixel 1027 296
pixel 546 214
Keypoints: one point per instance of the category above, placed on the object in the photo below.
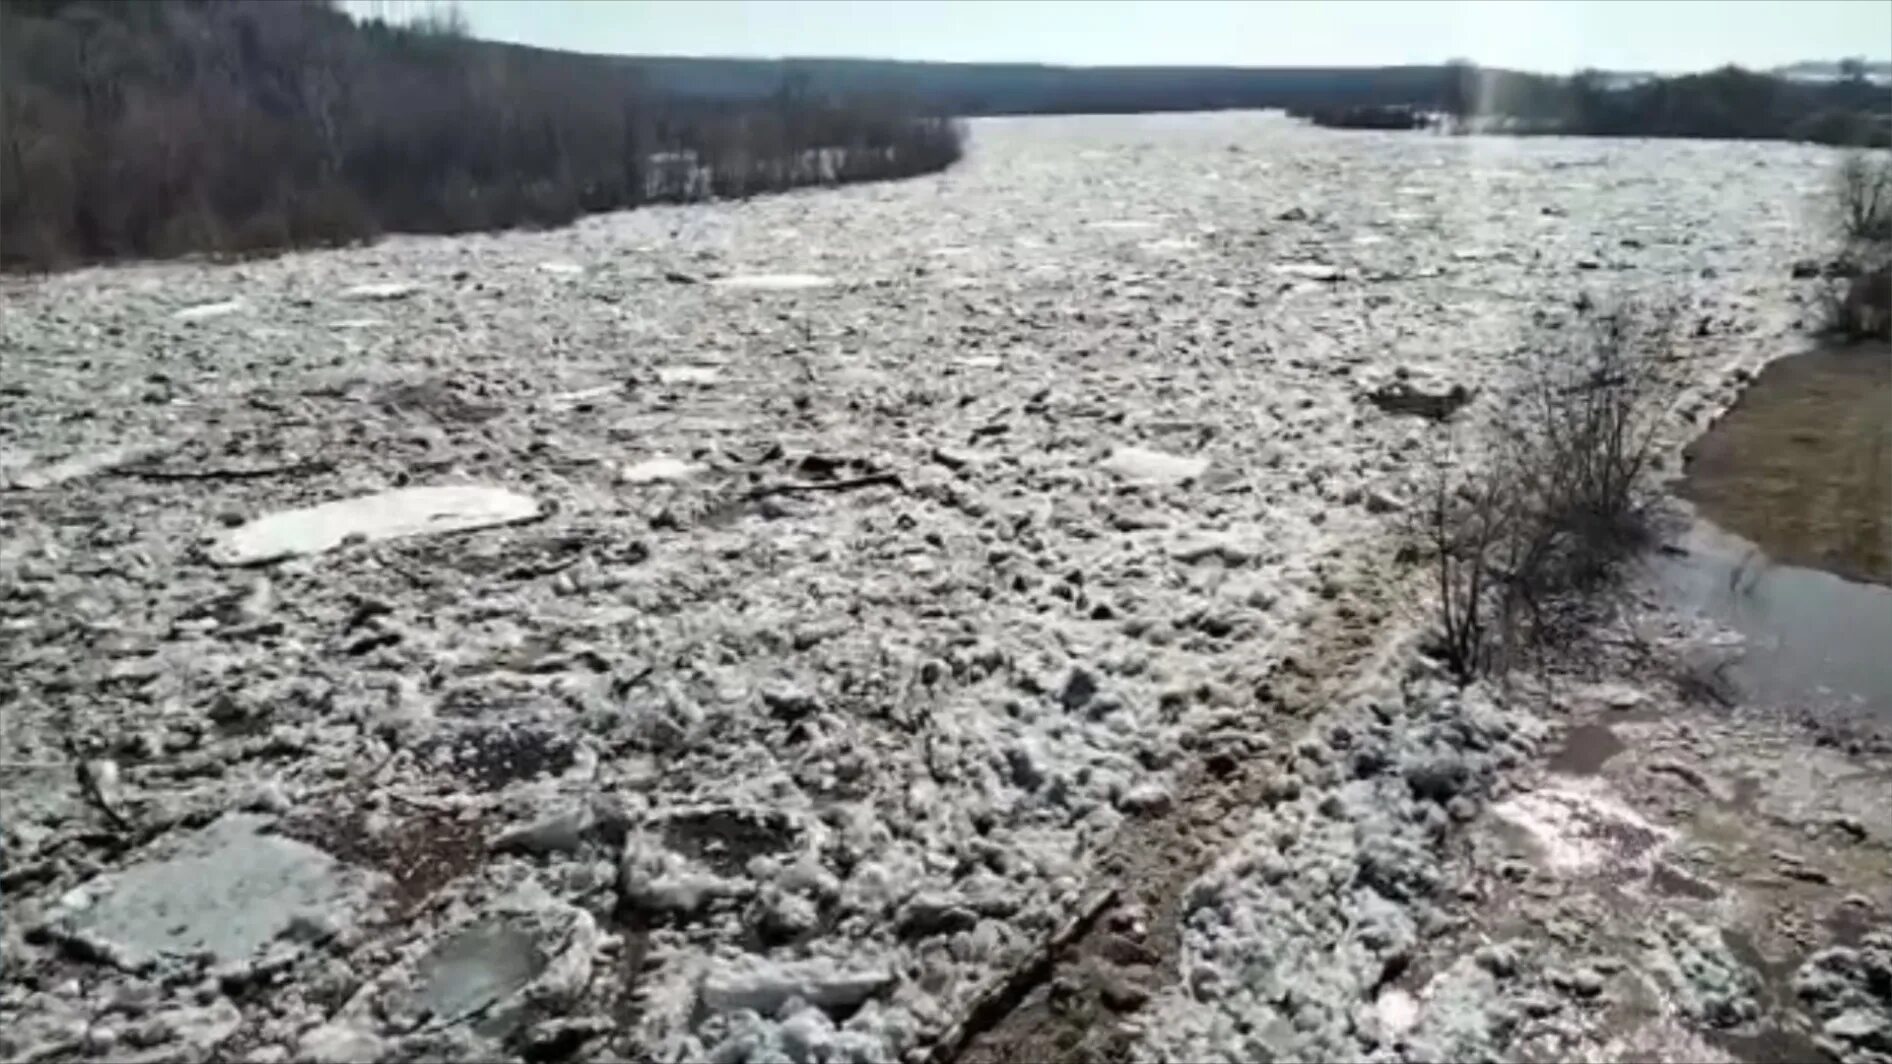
pixel 528 956
pixel 385 515
pixel 228 890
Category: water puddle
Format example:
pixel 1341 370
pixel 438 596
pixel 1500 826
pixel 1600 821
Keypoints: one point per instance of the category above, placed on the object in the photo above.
pixel 1794 549
pixel 1586 748
pixel 1812 639
pixel 1772 1041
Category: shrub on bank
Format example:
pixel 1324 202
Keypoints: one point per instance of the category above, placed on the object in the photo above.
pixel 1566 497
pixel 1863 205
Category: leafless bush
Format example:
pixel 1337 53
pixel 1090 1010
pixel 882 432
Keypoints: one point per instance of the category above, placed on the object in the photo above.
pixel 1857 300
pixel 1584 435
pixel 1461 527
pixel 1863 196
pixel 1563 499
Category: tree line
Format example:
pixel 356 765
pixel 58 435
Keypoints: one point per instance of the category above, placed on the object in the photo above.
pixel 1729 103
pixel 239 126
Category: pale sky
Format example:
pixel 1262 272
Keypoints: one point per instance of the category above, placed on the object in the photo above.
pixel 1554 36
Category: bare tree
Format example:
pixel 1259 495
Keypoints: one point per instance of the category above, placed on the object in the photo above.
pixel 1863 196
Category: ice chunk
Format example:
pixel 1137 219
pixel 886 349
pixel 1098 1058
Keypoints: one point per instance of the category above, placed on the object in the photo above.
pixel 1154 467
pixel 379 293
pixel 385 515
pixel 1311 271
pixel 764 986
pixel 688 374
pixel 206 311
pixel 652 470
pixel 775 282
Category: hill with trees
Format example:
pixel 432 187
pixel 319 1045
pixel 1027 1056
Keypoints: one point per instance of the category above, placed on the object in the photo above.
pixel 235 126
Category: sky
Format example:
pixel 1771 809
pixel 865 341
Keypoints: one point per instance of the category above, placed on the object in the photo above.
pixel 1551 36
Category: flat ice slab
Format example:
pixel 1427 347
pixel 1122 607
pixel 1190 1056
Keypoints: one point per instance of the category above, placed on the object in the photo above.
pixel 206 311
pixel 1312 271
pixel 386 515
pixel 80 466
pixel 480 965
pixel 688 374
pixel 379 293
pixel 1154 467
pixel 229 890
pixel 775 282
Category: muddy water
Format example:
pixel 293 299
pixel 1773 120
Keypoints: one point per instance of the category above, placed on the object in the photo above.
pixel 1586 749
pixel 1795 552
pixel 1802 464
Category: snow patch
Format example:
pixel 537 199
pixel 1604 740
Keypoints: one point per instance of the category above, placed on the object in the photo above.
pixel 1581 830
